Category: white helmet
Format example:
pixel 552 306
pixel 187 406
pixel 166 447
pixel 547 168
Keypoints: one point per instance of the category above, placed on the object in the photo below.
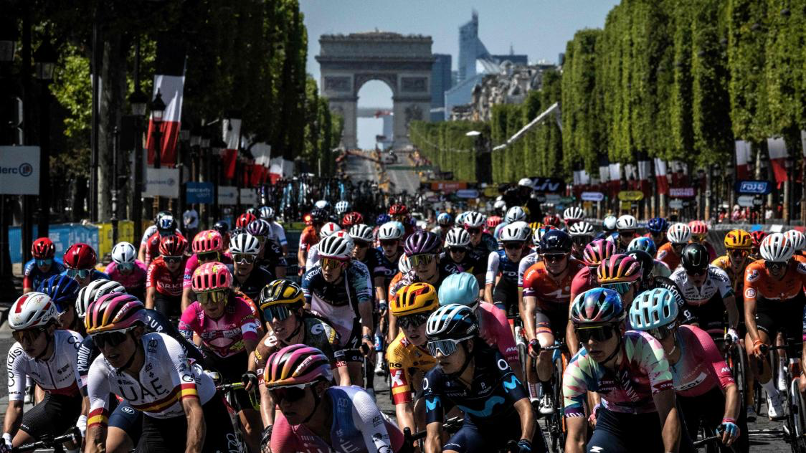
pixel 457 237
pixel 797 239
pixel 526 182
pixel 627 222
pixel 515 214
pixel 403 264
pixel 339 246
pixel 342 206
pixel 581 228
pixel 361 232
pixel 776 248
pixel 390 231
pixel 124 253
pixel 267 213
pixel 573 214
pixel 517 231
pixel 244 243
pixel 322 204
pixel 499 206
pixel 32 310
pixel 329 229
pixel 473 219
pixel 610 222
pixel 679 233
pixel 95 290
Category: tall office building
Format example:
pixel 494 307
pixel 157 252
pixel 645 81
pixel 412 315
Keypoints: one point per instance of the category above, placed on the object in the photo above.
pixel 441 81
pixel 470 48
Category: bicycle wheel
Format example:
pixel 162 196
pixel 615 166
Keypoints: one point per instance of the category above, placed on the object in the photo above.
pixel 801 417
pixel 557 430
pixel 737 361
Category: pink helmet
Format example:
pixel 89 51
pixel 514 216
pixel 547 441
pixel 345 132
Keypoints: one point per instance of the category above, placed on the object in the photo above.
pixel 296 365
pixel 698 228
pixel 211 276
pixel 596 251
pixel 208 241
pixel 114 312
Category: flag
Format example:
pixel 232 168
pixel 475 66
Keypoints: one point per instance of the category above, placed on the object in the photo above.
pixel 581 178
pixel 778 155
pixel 803 141
pixel 169 82
pixel 644 172
pixel 660 176
pixel 232 137
pixel 230 158
pixel 742 160
pixel 615 178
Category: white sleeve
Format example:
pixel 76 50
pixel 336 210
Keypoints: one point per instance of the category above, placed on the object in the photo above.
pixel 147 234
pixel 281 234
pixel 98 389
pixel 17 372
pixel 522 267
pixel 722 281
pixel 313 258
pixel 369 421
pixel 77 342
pixel 492 268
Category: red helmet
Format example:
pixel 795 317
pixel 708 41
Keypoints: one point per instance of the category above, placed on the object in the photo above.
pixel 352 218
pixel 244 220
pixel 398 209
pixel 43 248
pixel 698 228
pixel 552 220
pixel 493 221
pixel 208 241
pixel 173 246
pixel 758 236
pixel 80 256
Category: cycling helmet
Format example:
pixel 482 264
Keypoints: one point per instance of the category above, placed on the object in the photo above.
pixel 473 220
pixel 678 233
pixel 422 242
pixel 758 236
pixel 776 248
pixel 618 268
pixel 493 222
pixel 173 246
pixel 361 232
pixel 457 237
pixel 573 214
pixel 95 290
pixel 460 218
pixel 62 290
pixel 643 243
pixel 539 233
pixel 695 257
pixel 244 243
pixel 351 219
pixel 382 219
pixel 267 213
pixel 43 248
pixel 398 209
pixel 167 224
pixel 596 251
pixel 296 365
pixel 329 229
pixel 336 246
pixel 460 288
pixel 653 309
pixel 453 321
pixel 626 222
pixel 609 222
pixel 403 264
pixel 515 214
pixel 646 261
pixel 390 231
pixel 444 219
pixel 258 227
pixel 342 206
pixel 253 211
pixel 221 227
pixel 211 276
pixel 598 306
pixel 555 241
pixel 208 241
pixel 738 239
pixel 526 183
pixel 657 225
pixel 318 215
pixel 516 232
pixel 552 220
pixel 581 228
pixel 32 310
pixel 80 256
pixel 114 312
pixel 416 298
pixel 797 239
pixel 322 205
pixel 281 292
pixel 698 228
pixel 124 253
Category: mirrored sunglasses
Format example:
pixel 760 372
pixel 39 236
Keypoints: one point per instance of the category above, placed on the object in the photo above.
pixel 774 265
pixel 662 333
pixel 620 287
pixel 78 274
pixel 126 266
pixel 44 262
pixel 421 259
pixel 598 334
pixel 279 312
pixel 331 263
pixel 446 346
pixel 172 258
pixel 207 257
pixel 214 297
pixel 288 393
pixel 412 321
pixel 112 339
pixel 244 259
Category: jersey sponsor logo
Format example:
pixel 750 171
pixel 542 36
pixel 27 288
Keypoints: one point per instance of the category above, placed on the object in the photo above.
pixel 752 275
pixel 397 378
pixel 317 329
pixel 502 364
pixel 489 406
pixel 511 384
pixel 431 403
pixel 749 292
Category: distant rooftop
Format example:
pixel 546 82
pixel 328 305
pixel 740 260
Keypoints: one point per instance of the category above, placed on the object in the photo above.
pixel 373 35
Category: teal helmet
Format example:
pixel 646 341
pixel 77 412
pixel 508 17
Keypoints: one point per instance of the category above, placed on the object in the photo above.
pixel 598 306
pixel 643 243
pixel 461 288
pixel 652 309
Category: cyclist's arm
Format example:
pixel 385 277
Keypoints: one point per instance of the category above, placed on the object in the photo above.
pixel 150 293
pixel 280 271
pixel 750 315
pixel 529 310
pixel 98 390
pixel 365 311
pixel 13 419
pixel 733 312
pixel 433 437
pixel 489 278
pixel 528 421
pixel 405 416
pixel 196 426
pixel 369 421
pixel 187 298
pixel 141 253
pixel 380 288
pixel 27 281
pixel 571 339
pixel 669 420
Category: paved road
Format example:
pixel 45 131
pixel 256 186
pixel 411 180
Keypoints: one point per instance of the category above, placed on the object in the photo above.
pixel 359 169
pixel 403 180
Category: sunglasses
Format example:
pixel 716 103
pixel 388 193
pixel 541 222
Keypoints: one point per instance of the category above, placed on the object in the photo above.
pixel 457 250
pixel 80 274
pixel 697 272
pixel 739 252
pixel 447 346
pixel 172 258
pixel 331 264
pixel 620 287
pixel 126 266
pixel 412 321
pixel 244 259
pixel 513 246
pixel 27 336
pixel 473 231
pixel 209 298
pixel 421 259
pixel 774 265
pixel 553 257
pixel 663 332
pixel 279 312
pixel 388 242
pixel 112 339
pixel 289 394
pixel 598 334
pixel 44 262
pixel 207 256
pixel 627 233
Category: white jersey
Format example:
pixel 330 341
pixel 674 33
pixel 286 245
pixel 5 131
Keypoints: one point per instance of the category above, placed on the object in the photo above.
pixel 526 262
pixel 717 281
pixel 313 257
pixel 165 379
pixel 57 375
pixel 277 233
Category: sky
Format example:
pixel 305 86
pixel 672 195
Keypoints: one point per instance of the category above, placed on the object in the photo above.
pixel 538 28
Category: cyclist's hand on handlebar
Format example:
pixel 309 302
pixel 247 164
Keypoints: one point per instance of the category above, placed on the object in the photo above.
pixel 534 348
pixel 730 431
pixel 265 439
pixel 759 348
pixel 5 444
pixel 249 379
pixel 732 335
pixel 366 345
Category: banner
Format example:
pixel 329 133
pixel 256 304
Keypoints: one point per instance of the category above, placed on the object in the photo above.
pixel 199 192
pixel 448 186
pixel 592 196
pixel 162 182
pixel 232 137
pixel 761 187
pixel 248 196
pixel 169 82
pixel 778 155
pixel 19 170
pixel 660 176
pixel 227 195
pixel 542 184
pixel 682 193
pixel 632 196
pixel 742 159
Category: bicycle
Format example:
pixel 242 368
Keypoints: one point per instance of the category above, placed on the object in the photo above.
pixel 795 405
pixel 712 440
pixel 736 358
pixel 238 444
pixel 56 443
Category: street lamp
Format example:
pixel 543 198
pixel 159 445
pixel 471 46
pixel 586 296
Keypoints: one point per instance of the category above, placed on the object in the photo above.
pixel 138 102
pixel 8 38
pixel 45 57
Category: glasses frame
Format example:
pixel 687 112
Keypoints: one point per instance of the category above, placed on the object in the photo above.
pixel 589 333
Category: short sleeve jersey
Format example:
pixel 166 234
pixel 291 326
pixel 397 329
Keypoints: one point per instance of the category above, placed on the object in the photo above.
pixel 32 276
pixel 317 334
pixel 667 255
pixel 132 281
pixel 376 264
pixel 701 367
pixel 161 279
pixel 308 238
pixel 406 361
pixel 538 282
pixel 717 282
pixel 499 263
pixel 338 302
pixel 225 337
pixel 525 264
pixel 57 375
pixel 760 286
pixel 494 329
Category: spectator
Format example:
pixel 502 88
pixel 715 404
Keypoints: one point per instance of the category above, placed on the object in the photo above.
pixel 190 219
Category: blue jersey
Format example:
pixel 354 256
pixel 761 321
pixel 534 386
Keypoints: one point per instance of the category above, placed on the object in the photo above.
pixel 338 302
pixel 498 262
pixel 32 276
pixel 376 263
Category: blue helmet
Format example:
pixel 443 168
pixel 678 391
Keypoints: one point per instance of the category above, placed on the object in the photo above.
pixel 382 219
pixel 657 225
pixel 461 288
pixel 653 309
pixel 555 241
pixel 444 219
pixel 643 243
pixel 598 306
pixel 62 290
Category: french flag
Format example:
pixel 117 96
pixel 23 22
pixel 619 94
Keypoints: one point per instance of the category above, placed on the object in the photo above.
pixel 169 82
pixel 232 137
pixel 660 176
pixel 644 173
pixel 742 160
pixel 778 155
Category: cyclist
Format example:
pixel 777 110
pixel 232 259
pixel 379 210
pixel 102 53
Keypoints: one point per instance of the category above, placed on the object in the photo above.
pixel 458 256
pixel 627 228
pixel 482 243
pixel 474 376
pixel 79 263
pixel 758 236
pixel 151 230
pixel 707 292
pixel 126 269
pixel 181 409
pixel 310 237
pixel 400 213
pixel 249 278
pixel 581 234
pixel 339 289
pixel 330 228
pixel 572 215
pixel 342 207
pixel 738 244
pixel 390 238
pixel 48 356
pixel 596 252
pixel 276 231
pixel 773 303
pixel 164 278
pixel 444 224
pixel 655 267
pixel 678 235
pixel 223 229
pixel 491 225
pixel 631 375
pixel 244 220
pixel 608 225
pixel 63 292
pixel 166 226
pixel 208 246
pixel 703 383
pixel 798 244
pixel 657 228
pixel 350 219
pixel 514 237
pixel 269 255
pixel 225 325
pixel 42 266
pixel 530 259
pixel 699 231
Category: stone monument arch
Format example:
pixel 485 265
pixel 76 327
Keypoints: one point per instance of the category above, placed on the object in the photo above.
pixel 347 62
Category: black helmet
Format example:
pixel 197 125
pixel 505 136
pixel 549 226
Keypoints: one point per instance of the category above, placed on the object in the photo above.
pixel 221 227
pixel 555 241
pixel 695 257
pixel 254 211
pixel 646 261
pixel 318 215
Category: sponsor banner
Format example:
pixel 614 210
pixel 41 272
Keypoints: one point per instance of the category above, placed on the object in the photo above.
pixel 448 186
pixel 199 192
pixel 248 196
pixel 542 184
pixel 682 193
pixel 227 195
pixel 467 193
pixel 592 196
pixel 162 183
pixel 19 170
pixel 761 187
pixel 676 204
pixel 631 196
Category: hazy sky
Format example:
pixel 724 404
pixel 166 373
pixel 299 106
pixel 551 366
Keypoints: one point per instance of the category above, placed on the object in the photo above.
pixel 538 28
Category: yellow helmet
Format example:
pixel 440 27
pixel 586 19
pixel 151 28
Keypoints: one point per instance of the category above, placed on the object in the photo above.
pixel 281 291
pixel 416 298
pixel 738 239
pixel 535 226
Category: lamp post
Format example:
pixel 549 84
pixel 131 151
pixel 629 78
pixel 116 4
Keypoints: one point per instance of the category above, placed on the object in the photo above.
pixel 157 111
pixel 138 102
pixel 700 178
pixel 8 42
pixel 45 58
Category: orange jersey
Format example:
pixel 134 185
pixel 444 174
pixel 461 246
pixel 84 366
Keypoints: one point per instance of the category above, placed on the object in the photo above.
pixel 736 279
pixel 407 363
pixel 308 238
pixel 758 284
pixel 537 282
pixel 394 286
pixel 667 255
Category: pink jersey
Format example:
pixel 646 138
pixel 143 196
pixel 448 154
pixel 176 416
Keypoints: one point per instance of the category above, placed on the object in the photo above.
pixel 494 328
pixel 700 367
pixel 225 336
pixel 193 262
pixel 134 280
pixel 584 280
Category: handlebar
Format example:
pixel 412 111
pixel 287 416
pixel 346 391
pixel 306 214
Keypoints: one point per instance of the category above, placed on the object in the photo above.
pixel 73 436
pixel 235 386
pixel 716 438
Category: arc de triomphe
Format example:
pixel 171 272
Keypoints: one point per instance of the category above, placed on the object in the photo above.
pixel 403 62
